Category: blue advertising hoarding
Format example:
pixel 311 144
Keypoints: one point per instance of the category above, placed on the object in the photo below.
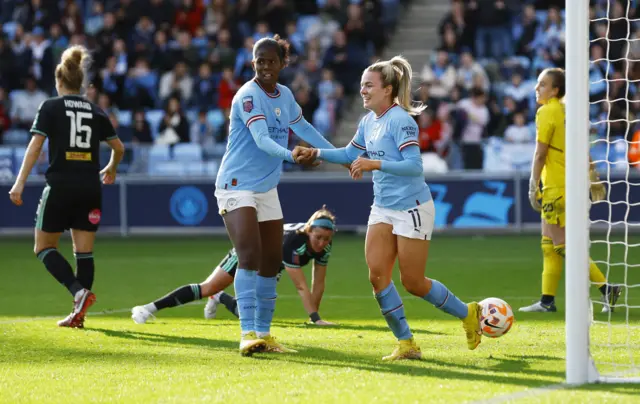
pixel 462 202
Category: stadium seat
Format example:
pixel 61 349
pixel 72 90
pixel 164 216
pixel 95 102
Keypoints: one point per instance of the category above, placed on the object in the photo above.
pixel 16 137
pixel 154 117
pixel 211 168
pixel 124 118
pixel 194 168
pixel 18 156
pixel 216 119
pixel 187 152
pixel 159 152
pixel 166 169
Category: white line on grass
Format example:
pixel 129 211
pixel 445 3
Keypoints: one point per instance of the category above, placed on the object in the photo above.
pixel 538 391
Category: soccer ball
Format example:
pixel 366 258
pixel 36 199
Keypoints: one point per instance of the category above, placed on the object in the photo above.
pixel 496 318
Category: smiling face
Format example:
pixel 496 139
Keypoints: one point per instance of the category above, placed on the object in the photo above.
pixel 544 89
pixel 375 97
pixel 267 65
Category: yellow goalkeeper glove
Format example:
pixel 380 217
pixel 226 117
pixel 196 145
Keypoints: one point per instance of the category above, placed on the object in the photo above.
pixel 598 191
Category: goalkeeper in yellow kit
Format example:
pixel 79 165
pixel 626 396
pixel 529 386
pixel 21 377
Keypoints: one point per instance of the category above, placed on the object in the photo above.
pixel 548 167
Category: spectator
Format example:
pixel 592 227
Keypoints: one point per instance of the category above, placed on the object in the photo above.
pixel 24 107
pixel 229 86
pixel 204 88
pixel 518 132
pixel 174 127
pixel 440 75
pixel 5 120
pixel 176 83
pixel 141 129
pixel 469 69
pixel 477 118
pixel 202 133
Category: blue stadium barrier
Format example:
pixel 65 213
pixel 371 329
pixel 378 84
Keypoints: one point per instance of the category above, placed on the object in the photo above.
pixel 476 202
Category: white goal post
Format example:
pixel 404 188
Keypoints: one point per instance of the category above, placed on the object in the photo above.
pixel 620 361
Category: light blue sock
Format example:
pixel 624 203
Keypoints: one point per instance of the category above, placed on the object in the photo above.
pixel 245 286
pixel 393 311
pixel 446 301
pixel 266 295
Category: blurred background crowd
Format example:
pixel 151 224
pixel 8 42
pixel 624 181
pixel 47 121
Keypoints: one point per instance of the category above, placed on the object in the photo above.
pixel 166 71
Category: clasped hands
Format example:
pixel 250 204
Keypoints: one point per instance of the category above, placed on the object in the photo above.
pixel 307 156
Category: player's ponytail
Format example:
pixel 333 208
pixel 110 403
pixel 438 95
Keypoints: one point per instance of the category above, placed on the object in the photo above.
pixel 71 70
pixel 397 73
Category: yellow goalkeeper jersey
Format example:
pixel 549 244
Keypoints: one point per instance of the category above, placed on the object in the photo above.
pixel 550 130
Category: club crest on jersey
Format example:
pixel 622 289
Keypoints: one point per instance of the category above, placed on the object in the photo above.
pixel 278 112
pixel 247 104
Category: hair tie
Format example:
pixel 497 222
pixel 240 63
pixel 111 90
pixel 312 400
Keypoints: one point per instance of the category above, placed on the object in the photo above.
pixel 324 223
pixel 397 70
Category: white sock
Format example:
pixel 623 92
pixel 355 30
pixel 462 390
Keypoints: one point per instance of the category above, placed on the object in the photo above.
pixel 244 333
pixel 262 334
pixel 216 297
pixel 151 307
pixel 78 295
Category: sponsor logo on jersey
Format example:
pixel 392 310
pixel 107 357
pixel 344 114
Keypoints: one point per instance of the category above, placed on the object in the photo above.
pixel 375 153
pixel 78 156
pixel 247 104
pixel 409 132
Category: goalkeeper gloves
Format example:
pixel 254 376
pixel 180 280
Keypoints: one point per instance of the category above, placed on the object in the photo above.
pixel 534 195
pixel 598 191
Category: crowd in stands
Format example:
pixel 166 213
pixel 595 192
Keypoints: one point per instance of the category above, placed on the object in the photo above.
pixel 480 82
pixel 166 70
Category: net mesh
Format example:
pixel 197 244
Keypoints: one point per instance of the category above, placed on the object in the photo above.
pixel 614 76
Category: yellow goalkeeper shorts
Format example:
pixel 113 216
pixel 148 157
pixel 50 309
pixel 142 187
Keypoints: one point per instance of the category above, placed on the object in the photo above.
pixel 553 206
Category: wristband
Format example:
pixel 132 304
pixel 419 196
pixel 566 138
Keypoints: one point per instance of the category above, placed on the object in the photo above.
pixel 318 153
pixel 314 316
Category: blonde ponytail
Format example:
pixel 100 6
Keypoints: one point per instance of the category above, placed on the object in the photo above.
pixel 71 71
pixel 397 73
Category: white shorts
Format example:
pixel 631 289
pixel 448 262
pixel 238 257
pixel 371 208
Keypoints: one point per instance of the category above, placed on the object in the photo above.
pixel 415 223
pixel 266 204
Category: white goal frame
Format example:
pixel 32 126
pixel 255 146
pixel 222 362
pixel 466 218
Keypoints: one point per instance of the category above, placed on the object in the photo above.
pixel 580 367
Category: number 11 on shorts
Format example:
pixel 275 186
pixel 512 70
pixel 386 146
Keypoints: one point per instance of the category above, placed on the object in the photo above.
pixel 415 216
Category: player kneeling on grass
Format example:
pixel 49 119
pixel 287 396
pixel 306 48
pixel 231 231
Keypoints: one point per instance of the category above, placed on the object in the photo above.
pixel 302 243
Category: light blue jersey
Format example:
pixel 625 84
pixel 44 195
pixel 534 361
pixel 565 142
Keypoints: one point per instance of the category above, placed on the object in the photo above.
pixel 392 138
pixel 258 138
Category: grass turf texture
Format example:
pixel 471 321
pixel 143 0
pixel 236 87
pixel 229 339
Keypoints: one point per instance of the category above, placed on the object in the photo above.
pixel 180 357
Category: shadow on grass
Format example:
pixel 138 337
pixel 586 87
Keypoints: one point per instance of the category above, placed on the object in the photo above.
pixel 348 326
pixel 163 338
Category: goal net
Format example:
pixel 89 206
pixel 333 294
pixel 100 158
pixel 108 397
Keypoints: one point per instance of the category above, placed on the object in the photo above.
pixel 612 351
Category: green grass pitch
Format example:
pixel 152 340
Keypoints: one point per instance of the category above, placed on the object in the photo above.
pixel 181 357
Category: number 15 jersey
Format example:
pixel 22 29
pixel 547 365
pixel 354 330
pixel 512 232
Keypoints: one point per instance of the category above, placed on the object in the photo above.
pixel 75 127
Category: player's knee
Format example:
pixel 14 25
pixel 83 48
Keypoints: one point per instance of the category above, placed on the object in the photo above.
pixel 39 247
pixel 249 258
pixel 378 279
pixel 414 284
pixel 206 289
pixel 271 265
